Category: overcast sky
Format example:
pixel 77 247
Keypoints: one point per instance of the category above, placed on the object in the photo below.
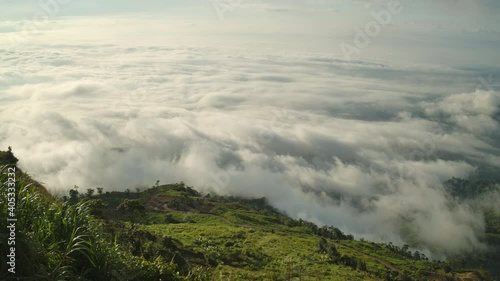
pixel 350 113
pixel 458 32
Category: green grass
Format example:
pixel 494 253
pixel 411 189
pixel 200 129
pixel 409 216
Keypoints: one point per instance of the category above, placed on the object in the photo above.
pixel 200 237
pixel 262 253
pixel 242 233
pixel 250 242
pixel 58 241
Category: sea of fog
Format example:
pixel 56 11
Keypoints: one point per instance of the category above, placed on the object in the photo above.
pixel 362 145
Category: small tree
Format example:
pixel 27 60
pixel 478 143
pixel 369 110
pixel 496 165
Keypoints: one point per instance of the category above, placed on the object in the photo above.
pixel 7 157
pixel 323 245
pixel 333 254
pixel 90 192
pixel 76 187
pixel 73 196
pixel 100 190
pixel 416 255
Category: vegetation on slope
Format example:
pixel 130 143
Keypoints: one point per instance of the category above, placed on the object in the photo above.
pixel 172 232
pixel 59 241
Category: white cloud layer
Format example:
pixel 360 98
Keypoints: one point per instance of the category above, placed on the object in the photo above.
pixel 361 145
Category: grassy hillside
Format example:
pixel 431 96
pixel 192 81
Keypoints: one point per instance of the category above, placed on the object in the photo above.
pixel 172 232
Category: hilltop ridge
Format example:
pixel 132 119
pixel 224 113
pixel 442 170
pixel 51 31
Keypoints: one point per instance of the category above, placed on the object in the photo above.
pixel 174 232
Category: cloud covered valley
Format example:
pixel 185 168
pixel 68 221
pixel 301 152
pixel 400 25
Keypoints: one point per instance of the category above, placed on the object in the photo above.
pixel 361 145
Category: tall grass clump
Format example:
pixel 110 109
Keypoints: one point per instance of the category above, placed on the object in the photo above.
pixel 59 241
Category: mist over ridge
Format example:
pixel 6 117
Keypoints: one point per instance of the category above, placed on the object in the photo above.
pixel 360 145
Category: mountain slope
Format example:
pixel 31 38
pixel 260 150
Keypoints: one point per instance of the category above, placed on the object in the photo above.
pixel 172 232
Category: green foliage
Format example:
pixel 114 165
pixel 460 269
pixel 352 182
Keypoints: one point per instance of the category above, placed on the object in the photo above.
pixel 96 207
pixel 132 208
pixel 90 192
pixel 73 196
pixel 60 241
pixel 124 236
pixel 8 158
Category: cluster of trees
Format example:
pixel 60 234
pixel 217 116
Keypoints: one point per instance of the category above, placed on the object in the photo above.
pixel 180 187
pixel 336 258
pixel 260 204
pixel 75 195
pixel 330 232
pixel 405 251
